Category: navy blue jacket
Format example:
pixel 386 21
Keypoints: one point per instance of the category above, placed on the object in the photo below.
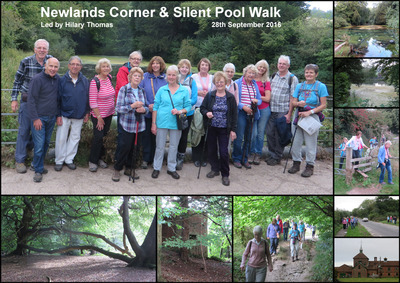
pixel 42 96
pixel 73 99
pixel 284 131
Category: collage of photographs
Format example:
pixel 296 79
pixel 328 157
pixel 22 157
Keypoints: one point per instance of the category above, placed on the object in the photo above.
pixel 200 141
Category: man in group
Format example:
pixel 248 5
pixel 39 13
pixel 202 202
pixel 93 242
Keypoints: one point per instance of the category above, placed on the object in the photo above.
pixel 28 67
pixel 43 110
pixel 135 58
pixel 73 102
pixel 283 84
pixel 384 163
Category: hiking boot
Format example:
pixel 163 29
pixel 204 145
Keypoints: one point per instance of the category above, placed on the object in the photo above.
pixel 102 164
pixel 71 166
pixel 212 174
pixel 272 162
pixel 297 258
pixel 155 174
pixel 173 174
pixel 37 178
pixel 308 171
pixel 128 173
pixel 179 161
pixel 225 181
pixel 237 165
pixel 292 258
pixel 20 168
pixel 116 176
pixel 92 167
pixel 58 167
pixel 247 165
pixel 251 158
pixel 144 165
pixel 257 158
pixel 295 167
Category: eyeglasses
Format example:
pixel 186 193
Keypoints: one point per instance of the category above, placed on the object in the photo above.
pixel 135 59
pixel 75 65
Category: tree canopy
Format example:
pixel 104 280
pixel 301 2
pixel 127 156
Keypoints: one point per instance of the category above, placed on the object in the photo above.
pixel 305 36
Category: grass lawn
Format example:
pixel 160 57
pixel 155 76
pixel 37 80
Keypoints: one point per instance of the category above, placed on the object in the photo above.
pixel 385 222
pixel 359 231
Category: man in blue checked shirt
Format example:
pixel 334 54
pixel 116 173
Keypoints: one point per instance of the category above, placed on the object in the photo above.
pixel 28 67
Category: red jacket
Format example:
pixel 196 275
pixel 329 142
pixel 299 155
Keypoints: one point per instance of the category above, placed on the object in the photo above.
pixel 122 79
pixel 280 223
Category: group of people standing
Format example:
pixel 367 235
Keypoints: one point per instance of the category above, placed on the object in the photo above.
pixel 148 104
pixel 350 221
pixel 357 145
pixel 392 219
pixel 258 252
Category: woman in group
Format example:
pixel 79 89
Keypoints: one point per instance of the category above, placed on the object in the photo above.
pixel 264 86
pixel 257 251
pixel 219 107
pixel 294 236
pixel 131 106
pixel 248 94
pixel 357 144
pixel 204 85
pixel 153 79
pixel 171 99
pixel 101 101
pixel 302 229
pixel 342 148
pixel 186 79
pixel 384 163
pixel 230 69
pixel 273 232
pixel 310 99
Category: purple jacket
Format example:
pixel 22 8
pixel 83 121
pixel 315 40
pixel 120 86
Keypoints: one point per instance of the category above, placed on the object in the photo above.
pixel 271 232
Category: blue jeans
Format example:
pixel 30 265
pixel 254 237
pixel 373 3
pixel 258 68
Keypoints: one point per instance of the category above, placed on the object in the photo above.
pixel 41 139
pixel 259 131
pixel 273 245
pixel 389 169
pixel 243 125
pixel 353 226
pixel 24 137
pixel 285 233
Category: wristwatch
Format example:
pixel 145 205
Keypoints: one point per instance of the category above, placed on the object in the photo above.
pixel 312 111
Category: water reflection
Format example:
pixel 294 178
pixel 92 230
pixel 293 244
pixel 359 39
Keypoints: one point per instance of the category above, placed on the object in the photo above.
pixel 376 50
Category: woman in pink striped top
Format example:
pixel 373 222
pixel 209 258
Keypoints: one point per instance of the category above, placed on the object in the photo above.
pixel 101 101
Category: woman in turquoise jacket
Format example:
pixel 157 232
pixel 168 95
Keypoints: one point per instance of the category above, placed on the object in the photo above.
pixel 171 99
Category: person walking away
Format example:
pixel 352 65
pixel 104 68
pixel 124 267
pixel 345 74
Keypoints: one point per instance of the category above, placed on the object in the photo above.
pixel 43 110
pixel 285 230
pixel 28 68
pixel 73 101
pixel 257 252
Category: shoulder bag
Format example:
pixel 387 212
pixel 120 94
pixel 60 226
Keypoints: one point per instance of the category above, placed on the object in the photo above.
pixel 181 119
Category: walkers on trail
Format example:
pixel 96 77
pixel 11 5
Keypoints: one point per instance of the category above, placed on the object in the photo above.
pixel 285 230
pixel 302 229
pixel 295 240
pixel 257 252
pixel 357 144
pixel 344 222
pixel 313 229
pixel 342 148
pixel 384 163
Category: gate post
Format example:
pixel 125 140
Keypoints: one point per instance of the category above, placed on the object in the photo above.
pixel 349 165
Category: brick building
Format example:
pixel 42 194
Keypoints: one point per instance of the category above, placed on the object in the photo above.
pixel 364 268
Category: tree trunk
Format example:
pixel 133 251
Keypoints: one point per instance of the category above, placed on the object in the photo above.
pixel 159 243
pixel 184 252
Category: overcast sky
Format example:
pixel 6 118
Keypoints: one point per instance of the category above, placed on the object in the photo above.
pixel 346 249
pixel 322 5
pixel 349 203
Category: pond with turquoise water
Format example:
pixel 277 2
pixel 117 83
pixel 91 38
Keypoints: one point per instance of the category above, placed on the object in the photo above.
pixel 371 41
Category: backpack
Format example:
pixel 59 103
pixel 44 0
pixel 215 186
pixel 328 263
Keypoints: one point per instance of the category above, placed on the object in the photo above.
pixel 265 245
pixel 290 79
pixel 96 79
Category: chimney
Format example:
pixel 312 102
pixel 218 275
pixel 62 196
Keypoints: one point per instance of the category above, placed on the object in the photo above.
pixel 375 258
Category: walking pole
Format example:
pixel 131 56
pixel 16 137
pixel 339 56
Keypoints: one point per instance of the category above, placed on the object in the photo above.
pixel 290 149
pixel 133 165
pixel 204 148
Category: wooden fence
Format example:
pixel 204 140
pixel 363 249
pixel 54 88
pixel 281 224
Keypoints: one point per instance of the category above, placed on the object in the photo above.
pixel 365 165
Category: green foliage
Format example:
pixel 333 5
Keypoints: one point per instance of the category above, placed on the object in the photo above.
pixel 353 12
pixel 342 89
pixel 189 51
pixel 340 22
pixel 322 264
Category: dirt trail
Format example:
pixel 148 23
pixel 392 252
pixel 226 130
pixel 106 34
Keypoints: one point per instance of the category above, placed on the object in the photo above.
pixel 377 95
pixel 287 271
